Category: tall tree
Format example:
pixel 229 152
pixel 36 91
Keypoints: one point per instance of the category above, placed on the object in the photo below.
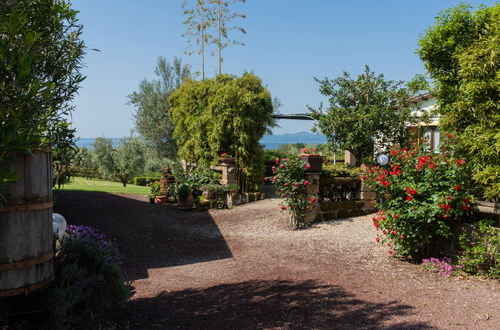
pixel 223 15
pixel 199 18
pixel 151 101
pixel 366 110
pixel 128 158
pixel 461 53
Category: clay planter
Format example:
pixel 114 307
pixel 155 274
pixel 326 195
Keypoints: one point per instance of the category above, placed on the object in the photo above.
pixel 315 161
pixel 161 199
pixel 230 160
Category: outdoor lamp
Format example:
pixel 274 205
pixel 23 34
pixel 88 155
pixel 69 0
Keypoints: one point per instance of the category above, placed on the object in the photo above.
pixel 382 159
pixel 59 225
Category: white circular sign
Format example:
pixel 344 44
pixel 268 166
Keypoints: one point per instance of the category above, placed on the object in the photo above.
pixel 59 224
pixel 382 159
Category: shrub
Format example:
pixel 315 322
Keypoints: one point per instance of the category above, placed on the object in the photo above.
pixel 90 289
pixel 291 183
pixel 144 180
pixel 155 189
pixel 482 253
pixel 423 195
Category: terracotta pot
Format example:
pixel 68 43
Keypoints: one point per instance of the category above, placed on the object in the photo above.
pixel 230 160
pixel 161 199
pixel 315 161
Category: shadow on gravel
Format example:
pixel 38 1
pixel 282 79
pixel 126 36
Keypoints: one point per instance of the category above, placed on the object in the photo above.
pixel 149 235
pixel 267 304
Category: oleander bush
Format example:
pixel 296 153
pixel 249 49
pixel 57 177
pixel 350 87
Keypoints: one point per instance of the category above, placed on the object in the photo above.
pixel 423 195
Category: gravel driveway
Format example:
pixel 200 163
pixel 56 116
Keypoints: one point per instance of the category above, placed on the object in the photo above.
pixel 243 269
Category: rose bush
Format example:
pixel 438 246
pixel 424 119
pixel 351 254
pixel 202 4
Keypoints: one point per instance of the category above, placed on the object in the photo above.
pixel 291 181
pixel 423 194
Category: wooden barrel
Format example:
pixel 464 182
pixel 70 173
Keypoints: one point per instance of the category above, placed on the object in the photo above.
pixel 26 238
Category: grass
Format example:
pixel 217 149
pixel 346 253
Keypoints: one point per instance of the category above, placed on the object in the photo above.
pixel 79 183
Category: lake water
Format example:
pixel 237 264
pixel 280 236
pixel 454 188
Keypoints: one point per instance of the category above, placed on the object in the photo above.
pixel 268 141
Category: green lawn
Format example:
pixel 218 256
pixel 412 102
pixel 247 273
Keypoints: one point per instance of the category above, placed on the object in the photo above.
pixel 79 183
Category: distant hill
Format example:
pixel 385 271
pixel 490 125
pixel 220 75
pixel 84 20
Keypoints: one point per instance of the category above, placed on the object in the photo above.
pixel 269 141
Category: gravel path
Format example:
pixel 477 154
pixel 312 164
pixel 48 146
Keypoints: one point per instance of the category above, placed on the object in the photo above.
pixel 243 269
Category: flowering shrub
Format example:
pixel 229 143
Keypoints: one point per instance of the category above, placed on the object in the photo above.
pixel 90 291
pixel 423 194
pixel 441 266
pixel 291 183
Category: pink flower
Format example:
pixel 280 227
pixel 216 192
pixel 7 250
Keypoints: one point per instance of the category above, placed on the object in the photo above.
pixel 401 236
pixel 286 184
pixel 304 150
pixel 314 149
pixel 277 161
pixel 313 200
pixel 308 166
pixel 377 239
pixel 281 165
pixel 306 183
pixel 283 195
pixel 296 184
pixel 266 179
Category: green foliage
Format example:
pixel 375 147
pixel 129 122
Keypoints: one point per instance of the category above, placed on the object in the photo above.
pixel 365 110
pixel 291 183
pixel 482 253
pixel 151 101
pixel 226 114
pixel 340 170
pixel 423 194
pixel 145 180
pixel 155 190
pixel 83 164
pixel 461 53
pixel 90 291
pixel 40 54
pixel 123 162
pixel 334 189
pixel 128 158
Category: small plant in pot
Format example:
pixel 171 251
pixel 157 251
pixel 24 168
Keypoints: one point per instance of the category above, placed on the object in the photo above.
pixel 154 192
pixel 184 196
pixel 227 158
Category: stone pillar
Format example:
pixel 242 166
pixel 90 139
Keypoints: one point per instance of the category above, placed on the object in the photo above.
pixel 228 173
pixel 313 176
pixel 313 211
pixel 349 158
pixel 365 193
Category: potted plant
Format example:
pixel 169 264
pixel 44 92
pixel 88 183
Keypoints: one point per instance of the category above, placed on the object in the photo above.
pixel 184 197
pixel 154 191
pixel 226 158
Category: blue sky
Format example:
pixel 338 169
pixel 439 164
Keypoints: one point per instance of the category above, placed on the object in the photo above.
pixel 288 43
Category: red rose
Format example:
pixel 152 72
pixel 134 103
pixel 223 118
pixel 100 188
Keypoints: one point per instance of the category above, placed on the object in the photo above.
pixel 384 183
pixel 286 184
pixel 389 244
pixel 466 200
pixel 314 149
pixel 390 252
pixel 395 216
pixel 377 239
pixel 393 152
pixel 432 165
pixel 313 200
pixel 277 161
pixel 401 236
pixel 410 191
pixel 325 162
pixel 306 183
pixel 292 207
pixel 304 150
pixel 465 207
pixel 283 195
pixel 363 177
pixel 409 198
pixel 445 216
pixel 394 232
pixel 384 232
pixel 266 179
pixel 460 162
pixel 308 166
pixel 296 184
pixel 282 208
pixel 457 187
pixel 281 165
pixel 449 136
